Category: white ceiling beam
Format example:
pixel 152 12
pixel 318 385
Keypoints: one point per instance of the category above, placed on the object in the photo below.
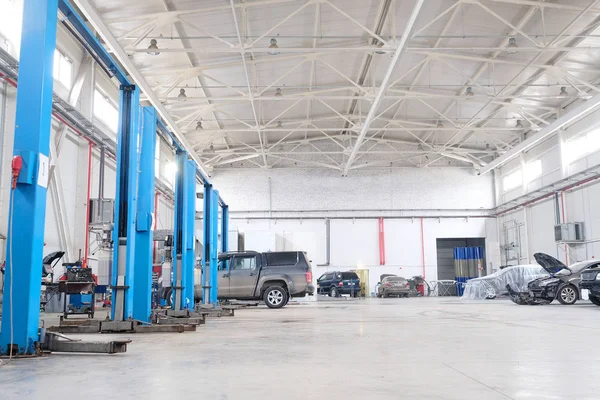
pixel 384 84
pixel 476 58
pixel 541 4
pixel 100 26
pixel 206 10
pixel 249 83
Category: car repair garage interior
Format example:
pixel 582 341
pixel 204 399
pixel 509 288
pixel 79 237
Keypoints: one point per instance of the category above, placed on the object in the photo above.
pixel 249 199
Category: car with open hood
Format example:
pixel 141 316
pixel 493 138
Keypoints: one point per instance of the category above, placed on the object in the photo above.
pixel 562 283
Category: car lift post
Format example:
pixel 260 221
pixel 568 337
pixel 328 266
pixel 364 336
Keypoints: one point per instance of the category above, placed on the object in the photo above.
pixel 25 244
pixel 183 234
pixel 123 284
pixel 211 237
pixel 224 228
pixel 142 295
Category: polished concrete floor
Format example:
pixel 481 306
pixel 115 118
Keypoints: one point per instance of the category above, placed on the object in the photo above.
pixel 419 348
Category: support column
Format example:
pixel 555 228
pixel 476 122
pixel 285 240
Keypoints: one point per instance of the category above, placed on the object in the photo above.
pixel 126 204
pixel 214 248
pixel 210 257
pixel 21 306
pixel 142 296
pixel 183 234
pixel 189 261
pixel 225 229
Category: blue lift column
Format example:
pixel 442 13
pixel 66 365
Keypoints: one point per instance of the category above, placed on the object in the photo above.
pixel 225 228
pixel 142 295
pixel 126 206
pixel 211 237
pixel 183 234
pixel 25 244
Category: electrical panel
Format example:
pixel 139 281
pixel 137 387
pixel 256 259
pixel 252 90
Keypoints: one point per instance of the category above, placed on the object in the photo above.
pixel 569 232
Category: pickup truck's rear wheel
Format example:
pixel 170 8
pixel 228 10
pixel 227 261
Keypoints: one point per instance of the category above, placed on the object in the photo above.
pixel 275 297
pixel 595 299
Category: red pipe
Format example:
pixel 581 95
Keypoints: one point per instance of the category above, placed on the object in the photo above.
pixel 87 204
pixel 154 249
pixel 423 247
pixel 562 201
pixel 381 242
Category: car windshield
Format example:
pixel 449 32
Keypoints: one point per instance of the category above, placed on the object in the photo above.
pixel 349 275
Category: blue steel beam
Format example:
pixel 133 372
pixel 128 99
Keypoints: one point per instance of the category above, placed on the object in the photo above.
pixel 126 204
pixel 96 48
pixel 142 295
pixel 25 244
pixel 92 45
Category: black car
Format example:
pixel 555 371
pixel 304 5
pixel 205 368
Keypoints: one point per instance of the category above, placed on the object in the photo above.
pixel 337 283
pixel 562 284
pixel 590 280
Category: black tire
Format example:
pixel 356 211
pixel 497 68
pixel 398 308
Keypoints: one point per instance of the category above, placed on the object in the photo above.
pixel 595 300
pixel 567 294
pixel 334 292
pixel 275 297
pixel 378 295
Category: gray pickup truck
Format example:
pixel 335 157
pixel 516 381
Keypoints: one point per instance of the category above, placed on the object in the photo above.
pixel 274 277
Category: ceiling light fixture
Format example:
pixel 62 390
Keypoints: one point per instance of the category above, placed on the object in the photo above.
pixel 519 124
pixel 199 126
pixel 273 47
pixel 379 46
pixel 512 45
pixel 563 91
pixel 469 92
pixel 153 48
pixel 182 96
pixel 439 125
pixel 279 124
pixel 278 93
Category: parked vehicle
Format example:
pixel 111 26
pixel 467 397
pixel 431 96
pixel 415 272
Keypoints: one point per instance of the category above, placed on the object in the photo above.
pixel 494 285
pixel 337 283
pixel 393 286
pixel 590 280
pixel 562 284
pixel 273 277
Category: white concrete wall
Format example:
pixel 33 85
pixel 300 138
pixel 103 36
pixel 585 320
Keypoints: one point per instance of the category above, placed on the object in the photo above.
pixel 365 195
pixel 355 243
pixel 538 219
pixel 377 189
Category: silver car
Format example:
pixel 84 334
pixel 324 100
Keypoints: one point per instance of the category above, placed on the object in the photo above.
pixel 393 286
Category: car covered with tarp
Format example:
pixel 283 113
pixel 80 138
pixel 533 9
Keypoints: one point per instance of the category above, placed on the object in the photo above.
pixel 494 285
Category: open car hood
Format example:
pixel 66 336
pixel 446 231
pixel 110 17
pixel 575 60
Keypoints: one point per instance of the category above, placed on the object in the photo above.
pixel 50 258
pixel 549 263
